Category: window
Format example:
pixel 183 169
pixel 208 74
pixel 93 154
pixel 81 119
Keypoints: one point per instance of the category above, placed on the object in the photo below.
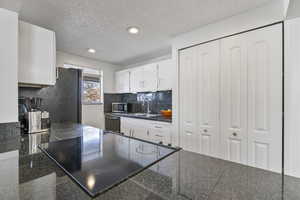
pixel 92 90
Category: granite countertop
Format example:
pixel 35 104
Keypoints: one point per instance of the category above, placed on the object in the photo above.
pixel 158 117
pixel 27 174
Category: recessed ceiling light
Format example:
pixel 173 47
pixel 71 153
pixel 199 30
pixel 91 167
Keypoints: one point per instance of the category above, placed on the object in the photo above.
pixel 133 30
pixel 91 50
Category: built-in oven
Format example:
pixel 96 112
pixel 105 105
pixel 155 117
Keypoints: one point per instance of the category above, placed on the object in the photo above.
pixel 119 107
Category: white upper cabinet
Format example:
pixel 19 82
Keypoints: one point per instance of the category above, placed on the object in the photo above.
pixel 8 66
pixel 137 80
pixel 144 79
pixel 147 78
pixel 150 78
pixel 37 55
pixel 165 75
pixel 122 81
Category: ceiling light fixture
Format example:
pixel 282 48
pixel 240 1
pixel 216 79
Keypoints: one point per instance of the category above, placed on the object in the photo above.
pixel 91 50
pixel 133 30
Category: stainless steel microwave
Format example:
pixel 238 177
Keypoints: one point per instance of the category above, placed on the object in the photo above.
pixel 119 107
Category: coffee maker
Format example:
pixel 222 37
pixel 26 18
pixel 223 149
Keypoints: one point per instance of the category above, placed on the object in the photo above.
pixel 31 116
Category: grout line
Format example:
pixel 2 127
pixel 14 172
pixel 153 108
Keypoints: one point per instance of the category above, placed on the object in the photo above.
pixel 218 181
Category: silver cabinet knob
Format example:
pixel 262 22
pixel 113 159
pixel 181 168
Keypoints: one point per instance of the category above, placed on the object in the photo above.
pixel 234 134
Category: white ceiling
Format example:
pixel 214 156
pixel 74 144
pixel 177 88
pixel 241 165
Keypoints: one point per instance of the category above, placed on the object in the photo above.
pixel 101 24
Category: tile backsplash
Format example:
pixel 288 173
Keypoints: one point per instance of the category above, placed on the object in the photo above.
pixel 9 131
pixel 157 101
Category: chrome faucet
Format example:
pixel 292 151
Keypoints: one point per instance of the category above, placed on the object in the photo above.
pixel 148 107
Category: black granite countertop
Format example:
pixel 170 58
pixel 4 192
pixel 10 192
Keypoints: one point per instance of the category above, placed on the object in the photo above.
pixel 154 117
pixel 28 174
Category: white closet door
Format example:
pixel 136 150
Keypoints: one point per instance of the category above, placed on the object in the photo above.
pixel 208 64
pixel 265 98
pixel 188 104
pixel 234 99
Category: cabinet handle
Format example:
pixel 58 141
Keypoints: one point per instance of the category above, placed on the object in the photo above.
pixel 158 127
pixel 234 134
pixel 148 133
pixel 158 136
pixel 205 131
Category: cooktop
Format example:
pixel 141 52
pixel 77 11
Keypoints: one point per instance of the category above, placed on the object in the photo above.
pixel 99 160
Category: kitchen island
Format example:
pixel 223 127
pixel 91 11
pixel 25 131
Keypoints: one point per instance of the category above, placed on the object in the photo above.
pixel 27 173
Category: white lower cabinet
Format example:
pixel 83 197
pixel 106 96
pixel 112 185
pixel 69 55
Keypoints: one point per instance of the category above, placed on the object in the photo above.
pixel 231 98
pixel 160 132
pixel 157 132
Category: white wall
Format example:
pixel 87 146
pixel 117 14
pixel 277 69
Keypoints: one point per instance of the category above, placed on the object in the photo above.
pixel 108 69
pixel 267 14
pixel 92 115
pixel 8 66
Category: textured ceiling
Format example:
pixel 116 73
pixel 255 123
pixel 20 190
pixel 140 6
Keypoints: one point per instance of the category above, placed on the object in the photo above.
pixel 101 24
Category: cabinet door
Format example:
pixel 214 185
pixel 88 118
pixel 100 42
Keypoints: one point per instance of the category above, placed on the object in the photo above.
pixel 37 55
pixel 136 80
pixel 126 82
pixel 118 82
pixel 160 133
pixel 125 127
pixel 208 61
pixel 150 78
pixel 122 82
pixel 165 75
pixel 265 98
pixel 234 99
pixel 188 102
pixel 139 131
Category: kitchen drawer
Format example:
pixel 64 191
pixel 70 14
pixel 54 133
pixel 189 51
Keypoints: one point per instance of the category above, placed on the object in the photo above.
pixel 160 132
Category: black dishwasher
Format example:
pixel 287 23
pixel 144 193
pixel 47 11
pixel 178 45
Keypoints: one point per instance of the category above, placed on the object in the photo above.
pixel 112 123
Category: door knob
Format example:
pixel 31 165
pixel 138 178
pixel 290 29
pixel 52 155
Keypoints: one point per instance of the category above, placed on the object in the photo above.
pixel 234 134
pixel 205 131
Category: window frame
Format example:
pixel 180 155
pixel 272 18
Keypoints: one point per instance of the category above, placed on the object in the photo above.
pixel 92 76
